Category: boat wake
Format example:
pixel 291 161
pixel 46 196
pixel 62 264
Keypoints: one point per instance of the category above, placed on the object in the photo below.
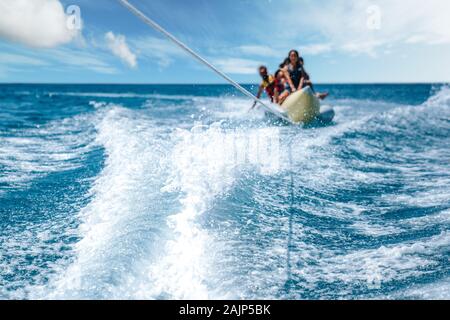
pixel 198 207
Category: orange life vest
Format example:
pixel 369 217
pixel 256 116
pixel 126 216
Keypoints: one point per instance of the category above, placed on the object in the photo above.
pixel 269 86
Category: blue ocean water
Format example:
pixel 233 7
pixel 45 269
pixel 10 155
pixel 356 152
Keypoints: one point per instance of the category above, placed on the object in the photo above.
pixel 164 192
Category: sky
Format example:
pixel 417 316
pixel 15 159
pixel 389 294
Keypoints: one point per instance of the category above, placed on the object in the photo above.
pixel 342 41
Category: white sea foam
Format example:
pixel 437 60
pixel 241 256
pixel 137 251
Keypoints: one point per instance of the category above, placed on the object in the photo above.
pixel 29 241
pixel 440 98
pixel 122 221
pixel 372 266
pixel 437 290
pixel 57 146
pixel 201 166
pixel 116 95
pixel 143 237
pixel 205 164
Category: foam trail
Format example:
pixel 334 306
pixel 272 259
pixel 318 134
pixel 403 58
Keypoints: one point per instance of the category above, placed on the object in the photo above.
pixel 37 227
pixel 57 146
pixel 184 210
pixel 205 166
pixel 121 223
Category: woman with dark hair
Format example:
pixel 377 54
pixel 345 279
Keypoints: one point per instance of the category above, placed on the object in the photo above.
pixel 293 71
pixel 284 64
pixel 296 75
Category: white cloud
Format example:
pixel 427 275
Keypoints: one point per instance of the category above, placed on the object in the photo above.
pixel 80 59
pixel 237 66
pixel 317 48
pixel 368 47
pixel 343 25
pixel 277 52
pixel 259 50
pixel 36 23
pixel 119 47
pixel 17 59
pixel 159 50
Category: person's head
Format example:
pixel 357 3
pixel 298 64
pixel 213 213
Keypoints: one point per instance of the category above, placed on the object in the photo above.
pixel 284 63
pixel 279 74
pixel 294 57
pixel 263 72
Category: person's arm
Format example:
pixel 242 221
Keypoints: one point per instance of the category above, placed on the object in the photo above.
pixel 306 79
pixel 302 81
pixel 260 91
pixel 289 80
pixel 276 95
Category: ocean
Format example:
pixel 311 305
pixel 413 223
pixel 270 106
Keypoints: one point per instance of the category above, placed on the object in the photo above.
pixel 178 192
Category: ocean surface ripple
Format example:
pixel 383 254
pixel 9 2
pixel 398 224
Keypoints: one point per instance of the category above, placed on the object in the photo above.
pixel 177 192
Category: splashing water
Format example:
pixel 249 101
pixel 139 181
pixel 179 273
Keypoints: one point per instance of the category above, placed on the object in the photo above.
pixel 159 192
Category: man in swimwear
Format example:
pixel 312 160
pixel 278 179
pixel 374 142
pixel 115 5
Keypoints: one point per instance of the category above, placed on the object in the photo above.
pixel 267 84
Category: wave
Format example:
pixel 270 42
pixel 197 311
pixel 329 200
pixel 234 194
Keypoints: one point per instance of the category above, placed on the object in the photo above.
pixel 142 221
pixel 228 208
pixel 206 162
pixel 440 98
pixel 41 184
pixel 32 153
pixel 122 223
pixel 130 95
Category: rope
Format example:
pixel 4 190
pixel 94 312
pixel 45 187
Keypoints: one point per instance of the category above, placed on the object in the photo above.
pixel 172 38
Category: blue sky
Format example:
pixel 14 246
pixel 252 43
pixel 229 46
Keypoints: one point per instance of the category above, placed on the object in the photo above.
pixel 346 41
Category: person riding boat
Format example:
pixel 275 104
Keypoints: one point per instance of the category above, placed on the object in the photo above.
pixel 274 86
pixel 307 81
pixel 293 71
pixel 296 75
pixel 284 64
pixel 280 91
pixel 267 84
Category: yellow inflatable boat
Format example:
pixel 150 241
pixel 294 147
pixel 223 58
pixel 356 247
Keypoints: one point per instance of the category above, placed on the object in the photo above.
pixel 303 107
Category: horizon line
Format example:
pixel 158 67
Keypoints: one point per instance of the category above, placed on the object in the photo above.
pixel 217 83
